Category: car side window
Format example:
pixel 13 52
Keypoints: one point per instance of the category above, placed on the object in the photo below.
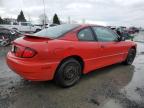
pixel 24 24
pixel 104 34
pixel 86 35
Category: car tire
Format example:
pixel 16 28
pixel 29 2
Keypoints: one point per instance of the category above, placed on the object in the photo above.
pixel 68 73
pixel 130 57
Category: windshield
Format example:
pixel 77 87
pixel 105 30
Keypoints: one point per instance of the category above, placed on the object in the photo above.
pixel 56 31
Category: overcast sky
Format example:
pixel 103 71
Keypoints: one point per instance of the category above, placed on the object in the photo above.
pixel 110 12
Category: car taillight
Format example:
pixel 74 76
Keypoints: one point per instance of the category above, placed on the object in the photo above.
pixel 23 52
pixel 18 51
pixel 28 53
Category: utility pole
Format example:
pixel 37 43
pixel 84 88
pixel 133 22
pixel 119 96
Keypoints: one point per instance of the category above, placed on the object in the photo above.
pixel 69 20
pixel 29 17
pixel 44 14
pixel 83 21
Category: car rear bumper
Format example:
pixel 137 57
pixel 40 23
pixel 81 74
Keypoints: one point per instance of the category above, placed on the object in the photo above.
pixel 35 71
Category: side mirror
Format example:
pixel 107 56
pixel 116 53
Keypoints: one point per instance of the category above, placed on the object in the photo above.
pixel 121 38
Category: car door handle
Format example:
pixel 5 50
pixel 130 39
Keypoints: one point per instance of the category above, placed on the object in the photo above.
pixel 102 46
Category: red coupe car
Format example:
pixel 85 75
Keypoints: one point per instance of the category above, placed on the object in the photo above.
pixel 67 51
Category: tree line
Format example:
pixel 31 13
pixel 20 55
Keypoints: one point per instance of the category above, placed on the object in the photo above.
pixel 21 18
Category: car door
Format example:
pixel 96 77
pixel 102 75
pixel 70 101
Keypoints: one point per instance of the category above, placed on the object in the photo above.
pixel 112 51
pixel 25 27
pixel 89 48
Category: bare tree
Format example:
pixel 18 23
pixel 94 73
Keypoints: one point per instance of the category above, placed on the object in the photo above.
pixel 43 19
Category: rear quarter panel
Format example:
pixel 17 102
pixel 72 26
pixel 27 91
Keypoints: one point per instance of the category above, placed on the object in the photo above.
pixel 70 46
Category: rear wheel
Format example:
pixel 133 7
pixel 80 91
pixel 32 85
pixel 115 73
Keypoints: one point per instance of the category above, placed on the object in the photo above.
pixel 68 73
pixel 130 57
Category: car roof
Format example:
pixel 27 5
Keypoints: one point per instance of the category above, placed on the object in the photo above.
pixel 81 26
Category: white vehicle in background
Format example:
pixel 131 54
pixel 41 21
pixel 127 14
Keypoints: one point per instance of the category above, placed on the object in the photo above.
pixel 23 27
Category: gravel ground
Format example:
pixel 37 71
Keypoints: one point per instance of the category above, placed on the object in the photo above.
pixel 116 86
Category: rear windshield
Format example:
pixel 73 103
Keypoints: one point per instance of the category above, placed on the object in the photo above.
pixel 56 31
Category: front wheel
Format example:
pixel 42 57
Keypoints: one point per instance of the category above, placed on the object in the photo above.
pixel 68 73
pixel 130 57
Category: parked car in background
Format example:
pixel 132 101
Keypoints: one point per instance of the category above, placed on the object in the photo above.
pixel 64 52
pixel 114 28
pixel 133 30
pixel 52 25
pixel 8 35
pixel 23 27
pixel 122 31
pixel 49 25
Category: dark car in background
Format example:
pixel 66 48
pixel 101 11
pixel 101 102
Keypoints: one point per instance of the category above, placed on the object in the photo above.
pixel 123 32
pixel 133 30
pixel 8 35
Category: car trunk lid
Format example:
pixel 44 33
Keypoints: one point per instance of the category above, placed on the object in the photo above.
pixel 30 46
pixel 35 36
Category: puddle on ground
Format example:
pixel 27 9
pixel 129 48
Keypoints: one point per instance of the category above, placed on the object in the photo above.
pixel 131 95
